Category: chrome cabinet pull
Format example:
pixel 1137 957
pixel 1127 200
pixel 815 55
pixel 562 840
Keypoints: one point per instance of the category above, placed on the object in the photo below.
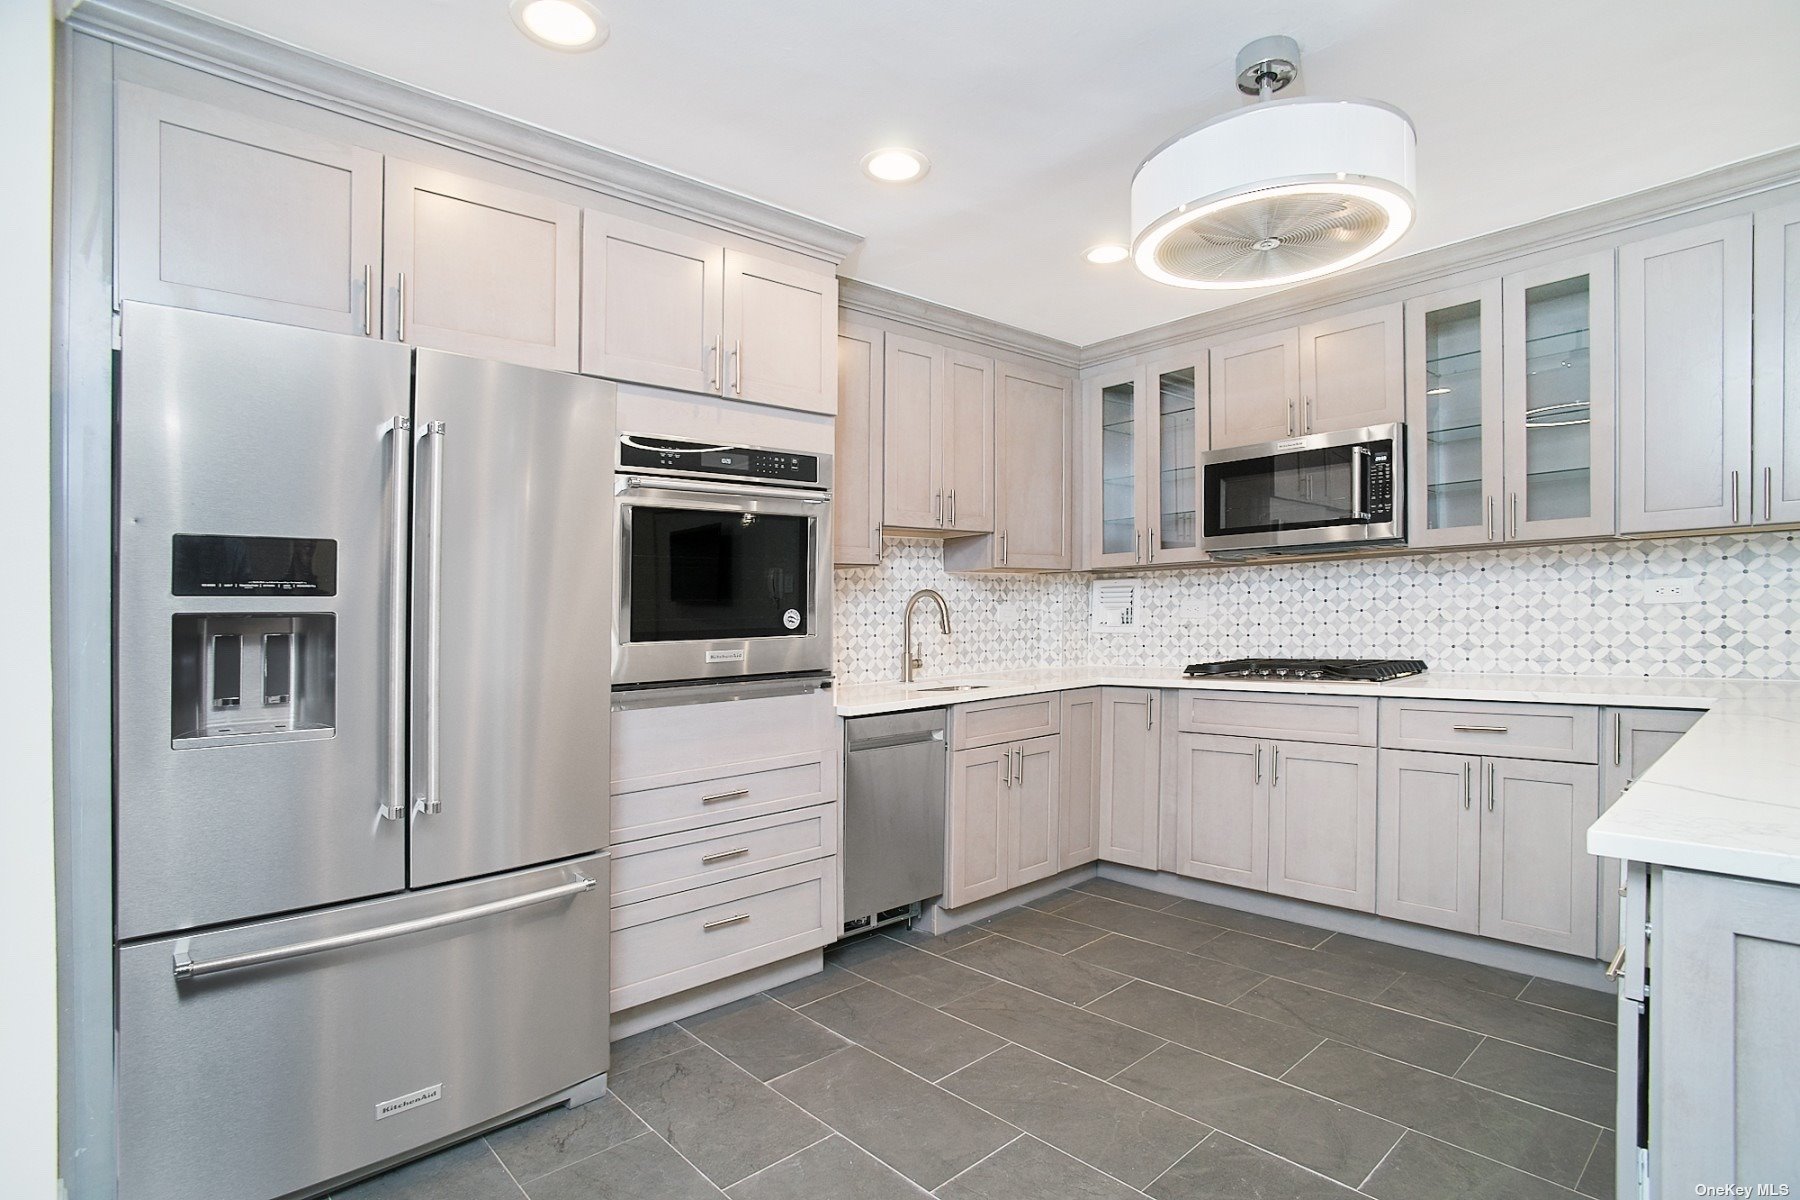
pixel 1021 760
pixel 1768 493
pixel 1003 549
pixel 1515 514
pixel 1490 788
pixel 1616 968
pixel 1309 414
pixel 721 797
pixel 722 922
pixel 1618 739
pixel 723 855
pixel 187 968
pixel 1137 555
pixel 1479 728
pixel 1734 497
pixel 1290 425
pixel 430 800
pixel 400 457
pixel 1490 517
pixel 1468 798
pixel 1150 713
pixel 368 300
pixel 1008 768
pixel 1259 762
pixel 1275 768
pixel 937 499
pixel 737 367
pixel 950 509
pixel 400 307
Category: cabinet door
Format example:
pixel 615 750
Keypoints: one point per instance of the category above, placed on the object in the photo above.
pixel 780 333
pixel 1078 818
pixel 1726 969
pixel 1777 415
pixel 1113 447
pixel 912 434
pixel 1537 878
pixel 226 214
pixel 651 304
pixel 1351 371
pixel 1636 738
pixel 977 852
pixel 1455 455
pixel 1032 802
pixel 1558 326
pixel 1428 844
pixel 1032 464
pixel 479 269
pixel 1322 823
pixel 1176 412
pixel 968 442
pixel 1255 389
pixel 1130 769
pixel 1222 810
pixel 1684 380
pixel 856 467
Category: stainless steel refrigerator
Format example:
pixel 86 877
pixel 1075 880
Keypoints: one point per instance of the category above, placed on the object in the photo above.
pixel 363 607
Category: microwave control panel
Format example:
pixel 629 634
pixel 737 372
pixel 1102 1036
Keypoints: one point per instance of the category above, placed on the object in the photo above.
pixel 676 457
pixel 1381 483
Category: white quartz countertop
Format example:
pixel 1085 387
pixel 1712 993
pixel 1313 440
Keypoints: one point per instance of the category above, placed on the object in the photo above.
pixel 1725 798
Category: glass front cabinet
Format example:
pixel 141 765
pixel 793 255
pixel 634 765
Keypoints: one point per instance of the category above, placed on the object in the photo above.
pixel 1509 406
pixel 1147 427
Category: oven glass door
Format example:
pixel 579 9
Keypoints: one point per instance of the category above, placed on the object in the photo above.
pixel 701 575
pixel 1311 489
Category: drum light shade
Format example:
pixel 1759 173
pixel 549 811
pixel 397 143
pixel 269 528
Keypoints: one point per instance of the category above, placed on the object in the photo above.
pixel 1275 193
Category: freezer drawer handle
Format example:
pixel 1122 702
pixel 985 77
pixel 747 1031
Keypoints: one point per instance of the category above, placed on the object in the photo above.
pixel 722 922
pixel 187 968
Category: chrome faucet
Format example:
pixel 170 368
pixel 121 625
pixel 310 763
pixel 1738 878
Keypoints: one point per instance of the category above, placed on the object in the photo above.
pixel 909 661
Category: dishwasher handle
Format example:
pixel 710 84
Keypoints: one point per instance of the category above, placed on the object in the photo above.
pixel 882 741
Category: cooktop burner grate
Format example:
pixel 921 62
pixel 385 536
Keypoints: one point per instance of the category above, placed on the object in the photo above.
pixel 1346 670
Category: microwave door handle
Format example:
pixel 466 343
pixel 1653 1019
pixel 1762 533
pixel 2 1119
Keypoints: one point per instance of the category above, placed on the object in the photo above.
pixel 1359 466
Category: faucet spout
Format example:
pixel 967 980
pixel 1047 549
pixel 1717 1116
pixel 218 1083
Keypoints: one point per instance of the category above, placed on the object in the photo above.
pixel 909 660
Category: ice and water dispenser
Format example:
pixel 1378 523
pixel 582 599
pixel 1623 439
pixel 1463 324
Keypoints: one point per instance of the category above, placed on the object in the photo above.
pixel 258 674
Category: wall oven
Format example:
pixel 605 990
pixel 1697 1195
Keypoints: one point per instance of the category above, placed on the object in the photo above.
pixel 1327 491
pixel 724 565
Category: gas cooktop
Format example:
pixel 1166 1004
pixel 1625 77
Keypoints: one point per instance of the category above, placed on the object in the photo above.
pixel 1342 670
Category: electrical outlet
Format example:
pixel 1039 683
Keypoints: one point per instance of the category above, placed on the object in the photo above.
pixel 1193 608
pixel 1007 615
pixel 1671 589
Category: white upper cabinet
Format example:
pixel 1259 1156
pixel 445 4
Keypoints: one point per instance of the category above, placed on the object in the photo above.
pixel 968 454
pixel 780 333
pixel 1684 379
pixel 1350 371
pixel 1113 452
pixel 652 304
pixel 913 434
pixel 479 269
pixel 1558 377
pixel 1455 442
pixel 227 214
pixel 1777 410
pixel 857 465
pixel 1256 389
pixel 1031 478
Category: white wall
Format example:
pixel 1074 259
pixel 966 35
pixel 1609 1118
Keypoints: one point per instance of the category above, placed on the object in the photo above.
pixel 27 878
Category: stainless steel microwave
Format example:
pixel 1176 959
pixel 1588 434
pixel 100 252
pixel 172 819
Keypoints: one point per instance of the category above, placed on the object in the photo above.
pixel 724 562
pixel 1322 492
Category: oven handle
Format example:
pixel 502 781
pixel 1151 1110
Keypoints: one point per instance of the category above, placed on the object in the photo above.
pixel 1359 466
pixel 638 483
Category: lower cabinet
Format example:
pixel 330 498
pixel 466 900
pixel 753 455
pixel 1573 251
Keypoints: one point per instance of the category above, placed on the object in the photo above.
pixel 1493 846
pixel 1297 818
pixel 1130 773
pixel 1636 738
pixel 1002 818
pixel 1078 818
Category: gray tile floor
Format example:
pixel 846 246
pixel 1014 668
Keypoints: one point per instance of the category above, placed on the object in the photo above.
pixel 1103 1043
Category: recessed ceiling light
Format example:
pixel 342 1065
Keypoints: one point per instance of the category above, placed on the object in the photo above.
pixel 895 164
pixel 1106 253
pixel 560 24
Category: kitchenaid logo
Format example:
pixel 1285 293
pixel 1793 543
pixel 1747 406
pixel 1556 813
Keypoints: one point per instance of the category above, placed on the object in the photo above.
pixel 718 656
pixel 411 1100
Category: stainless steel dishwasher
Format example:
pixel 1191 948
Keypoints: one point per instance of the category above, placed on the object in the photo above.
pixel 895 773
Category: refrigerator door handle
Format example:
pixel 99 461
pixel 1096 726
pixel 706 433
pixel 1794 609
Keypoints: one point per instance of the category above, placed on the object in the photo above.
pixel 187 968
pixel 400 451
pixel 429 801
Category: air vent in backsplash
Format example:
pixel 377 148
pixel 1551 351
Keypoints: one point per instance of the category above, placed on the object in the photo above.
pixel 1543 610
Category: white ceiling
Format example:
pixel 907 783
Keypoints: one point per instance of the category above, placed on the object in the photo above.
pixel 1034 113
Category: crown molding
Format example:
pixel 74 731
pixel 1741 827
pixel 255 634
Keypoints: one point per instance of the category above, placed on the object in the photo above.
pixel 219 49
pixel 1718 186
pixel 872 300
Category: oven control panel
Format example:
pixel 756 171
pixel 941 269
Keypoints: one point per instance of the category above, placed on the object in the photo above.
pixel 1381 482
pixel 674 456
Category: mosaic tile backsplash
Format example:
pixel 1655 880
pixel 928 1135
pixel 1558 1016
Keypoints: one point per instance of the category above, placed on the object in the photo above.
pixel 1564 610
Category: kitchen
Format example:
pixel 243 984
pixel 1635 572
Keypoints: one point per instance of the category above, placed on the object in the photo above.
pixel 1267 672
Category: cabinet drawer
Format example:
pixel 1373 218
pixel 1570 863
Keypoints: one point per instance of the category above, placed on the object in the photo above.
pixel 1557 732
pixel 659 810
pixel 680 743
pixel 676 862
pixel 664 946
pixel 1339 720
pixel 990 722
